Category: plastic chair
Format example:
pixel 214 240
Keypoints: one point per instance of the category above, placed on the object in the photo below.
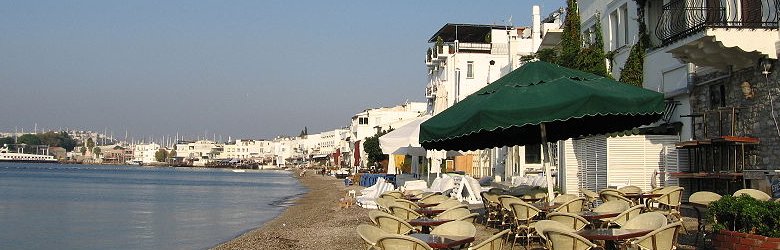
pixel 664 238
pixel 495 242
pixel 392 224
pixel 564 198
pixel 755 193
pixel 570 220
pixel 651 221
pixel 621 219
pixel 630 190
pixel 542 225
pixel 370 234
pixel 562 239
pixel 571 206
pixel 524 215
pixel 404 213
pixel 401 242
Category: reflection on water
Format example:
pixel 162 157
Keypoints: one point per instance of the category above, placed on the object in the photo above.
pixel 52 206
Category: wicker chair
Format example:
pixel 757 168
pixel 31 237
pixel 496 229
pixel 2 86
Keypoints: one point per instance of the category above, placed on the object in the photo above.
pixel 542 225
pixel 524 215
pixel 755 193
pixel 453 214
pixel 700 200
pixel 668 203
pixel 664 238
pixel 495 242
pixel 392 224
pixel 612 206
pixel 613 196
pixel 456 228
pixel 630 190
pixel 573 221
pixel 563 239
pixel 434 198
pixel 564 198
pixel 401 242
pixel 446 204
pixel 492 208
pixel 590 197
pixel 469 218
pixel 405 203
pixel 621 219
pixel 571 206
pixel 370 234
pixel 651 221
pixel 373 214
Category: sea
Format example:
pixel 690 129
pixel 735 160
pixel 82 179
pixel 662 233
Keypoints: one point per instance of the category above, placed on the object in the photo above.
pixel 55 206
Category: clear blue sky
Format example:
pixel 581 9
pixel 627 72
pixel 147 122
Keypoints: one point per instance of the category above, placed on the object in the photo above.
pixel 249 69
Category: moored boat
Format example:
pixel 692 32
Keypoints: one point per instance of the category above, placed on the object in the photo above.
pixel 8 156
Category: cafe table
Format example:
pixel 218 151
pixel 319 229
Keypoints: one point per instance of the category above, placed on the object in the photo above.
pixel 429 211
pixel 443 241
pixel 424 205
pixel 427 223
pixel 612 235
pixel 641 197
pixel 546 206
pixel 593 216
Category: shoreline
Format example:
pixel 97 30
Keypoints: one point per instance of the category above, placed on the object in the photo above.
pixel 313 221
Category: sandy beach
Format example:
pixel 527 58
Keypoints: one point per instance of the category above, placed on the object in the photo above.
pixel 317 222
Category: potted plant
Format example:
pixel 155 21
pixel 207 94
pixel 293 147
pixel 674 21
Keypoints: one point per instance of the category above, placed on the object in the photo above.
pixel 744 222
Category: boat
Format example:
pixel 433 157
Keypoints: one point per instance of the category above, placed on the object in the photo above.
pixel 8 156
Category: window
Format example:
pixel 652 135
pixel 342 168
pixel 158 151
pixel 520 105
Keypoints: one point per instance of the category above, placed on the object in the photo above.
pixel 618 27
pixel 533 154
pixel 363 120
pixel 470 69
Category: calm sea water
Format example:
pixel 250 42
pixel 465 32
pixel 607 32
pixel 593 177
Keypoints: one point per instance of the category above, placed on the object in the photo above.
pixel 52 206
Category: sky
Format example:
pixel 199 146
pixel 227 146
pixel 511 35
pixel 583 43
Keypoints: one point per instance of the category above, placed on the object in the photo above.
pixel 245 69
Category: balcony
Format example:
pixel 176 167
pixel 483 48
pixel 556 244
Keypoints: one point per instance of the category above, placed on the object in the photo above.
pixel 430 91
pixel 719 33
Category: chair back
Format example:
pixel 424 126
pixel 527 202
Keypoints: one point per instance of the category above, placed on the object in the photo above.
pixel 401 242
pixel 703 197
pixel 663 190
pixel 373 214
pixel 393 194
pixel 405 203
pixel 664 238
pixel 495 242
pixel 571 206
pixel 563 239
pixel 382 203
pixel 625 216
pixel 370 233
pixel 612 206
pixel 523 211
pixel 446 204
pixel 404 213
pixel 671 197
pixel 469 218
pixel 392 224
pixel 415 192
pixel 543 225
pixel 610 191
pixel 570 220
pixel 612 196
pixel 589 195
pixel 456 228
pixel 434 198
pixel 630 190
pixel 453 214
pixel 538 195
pixel 755 193
pixel 650 220
pixel 564 198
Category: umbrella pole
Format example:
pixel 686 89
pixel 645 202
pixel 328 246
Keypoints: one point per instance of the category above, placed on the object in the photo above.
pixel 546 162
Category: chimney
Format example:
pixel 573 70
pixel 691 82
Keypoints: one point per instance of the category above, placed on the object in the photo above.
pixel 536 32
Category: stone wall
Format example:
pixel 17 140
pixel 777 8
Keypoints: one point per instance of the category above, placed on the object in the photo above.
pixel 725 239
pixel 754 114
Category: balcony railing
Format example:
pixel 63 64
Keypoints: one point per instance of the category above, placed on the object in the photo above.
pixel 682 18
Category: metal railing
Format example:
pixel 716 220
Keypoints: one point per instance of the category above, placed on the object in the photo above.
pixel 682 18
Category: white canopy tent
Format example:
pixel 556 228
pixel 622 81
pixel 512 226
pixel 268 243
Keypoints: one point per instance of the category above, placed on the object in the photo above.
pixel 404 140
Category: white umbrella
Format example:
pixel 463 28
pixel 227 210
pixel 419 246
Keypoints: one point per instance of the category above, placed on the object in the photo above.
pixel 404 140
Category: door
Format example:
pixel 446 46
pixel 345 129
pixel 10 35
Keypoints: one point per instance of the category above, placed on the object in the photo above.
pixel 751 13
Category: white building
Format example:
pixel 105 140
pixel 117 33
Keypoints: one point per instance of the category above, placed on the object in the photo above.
pixel 248 149
pixel 144 153
pixel 284 149
pixel 466 57
pixel 199 152
pixel 371 121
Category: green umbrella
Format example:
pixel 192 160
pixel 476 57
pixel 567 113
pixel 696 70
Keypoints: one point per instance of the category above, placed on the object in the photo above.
pixel 537 103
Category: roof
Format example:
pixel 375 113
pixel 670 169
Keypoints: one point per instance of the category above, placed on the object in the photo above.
pixel 468 33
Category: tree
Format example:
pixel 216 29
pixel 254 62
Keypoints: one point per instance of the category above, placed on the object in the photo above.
pixel 592 59
pixel 172 153
pixel 96 151
pixel 549 55
pixel 83 150
pixel 571 40
pixel 90 143
pixel 633 70
pixel 29 139
pixel 161 155
pixel 6 140
pixel 372 149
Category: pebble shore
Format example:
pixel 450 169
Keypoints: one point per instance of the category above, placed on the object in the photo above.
pixel 316 221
